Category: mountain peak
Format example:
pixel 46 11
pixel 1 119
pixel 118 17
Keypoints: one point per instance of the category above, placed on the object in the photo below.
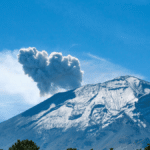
pixel 84 115
pixel 128 78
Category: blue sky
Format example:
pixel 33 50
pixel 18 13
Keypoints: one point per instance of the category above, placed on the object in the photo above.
pixel 110 38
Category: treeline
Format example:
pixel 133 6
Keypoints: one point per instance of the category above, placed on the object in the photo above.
pixel 30 145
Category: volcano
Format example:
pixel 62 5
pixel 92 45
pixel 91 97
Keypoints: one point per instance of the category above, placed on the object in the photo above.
pixel 114 114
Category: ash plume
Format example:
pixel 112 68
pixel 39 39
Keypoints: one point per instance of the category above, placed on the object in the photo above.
pixel 50 72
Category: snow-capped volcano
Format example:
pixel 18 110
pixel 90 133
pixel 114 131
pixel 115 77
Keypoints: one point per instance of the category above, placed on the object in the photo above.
pixel 113 114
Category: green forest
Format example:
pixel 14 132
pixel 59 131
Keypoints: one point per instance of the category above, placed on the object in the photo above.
pixel 30 145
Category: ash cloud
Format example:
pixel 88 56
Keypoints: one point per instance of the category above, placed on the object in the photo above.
pixel 51 72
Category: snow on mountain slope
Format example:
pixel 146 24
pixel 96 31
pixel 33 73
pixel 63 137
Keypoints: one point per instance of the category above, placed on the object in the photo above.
pixel 114 114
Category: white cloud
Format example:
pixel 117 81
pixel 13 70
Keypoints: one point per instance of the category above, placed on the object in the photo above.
pixel 13 80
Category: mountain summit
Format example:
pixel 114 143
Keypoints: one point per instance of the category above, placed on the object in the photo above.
pixel 114 114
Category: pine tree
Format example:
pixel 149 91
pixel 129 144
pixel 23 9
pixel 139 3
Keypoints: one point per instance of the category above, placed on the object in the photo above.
pixel 148 147
pixel 71 149
pixel 24 145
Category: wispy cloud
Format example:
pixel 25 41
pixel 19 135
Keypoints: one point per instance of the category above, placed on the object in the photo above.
pixel 98 70
pixel 96 57
pixel 73 45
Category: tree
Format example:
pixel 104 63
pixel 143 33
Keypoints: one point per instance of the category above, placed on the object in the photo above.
pixel 148 147
pixel 24 145
pixel 71 149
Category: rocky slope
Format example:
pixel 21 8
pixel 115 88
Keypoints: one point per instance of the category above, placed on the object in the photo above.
pixel 114 114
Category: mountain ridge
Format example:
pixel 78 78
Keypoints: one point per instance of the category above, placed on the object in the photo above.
pixel 109 107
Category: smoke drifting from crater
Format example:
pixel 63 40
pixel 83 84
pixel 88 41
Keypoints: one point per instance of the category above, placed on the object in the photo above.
pixel 50 72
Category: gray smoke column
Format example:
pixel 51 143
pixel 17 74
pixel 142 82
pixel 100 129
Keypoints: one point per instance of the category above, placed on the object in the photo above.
pixel 51 72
